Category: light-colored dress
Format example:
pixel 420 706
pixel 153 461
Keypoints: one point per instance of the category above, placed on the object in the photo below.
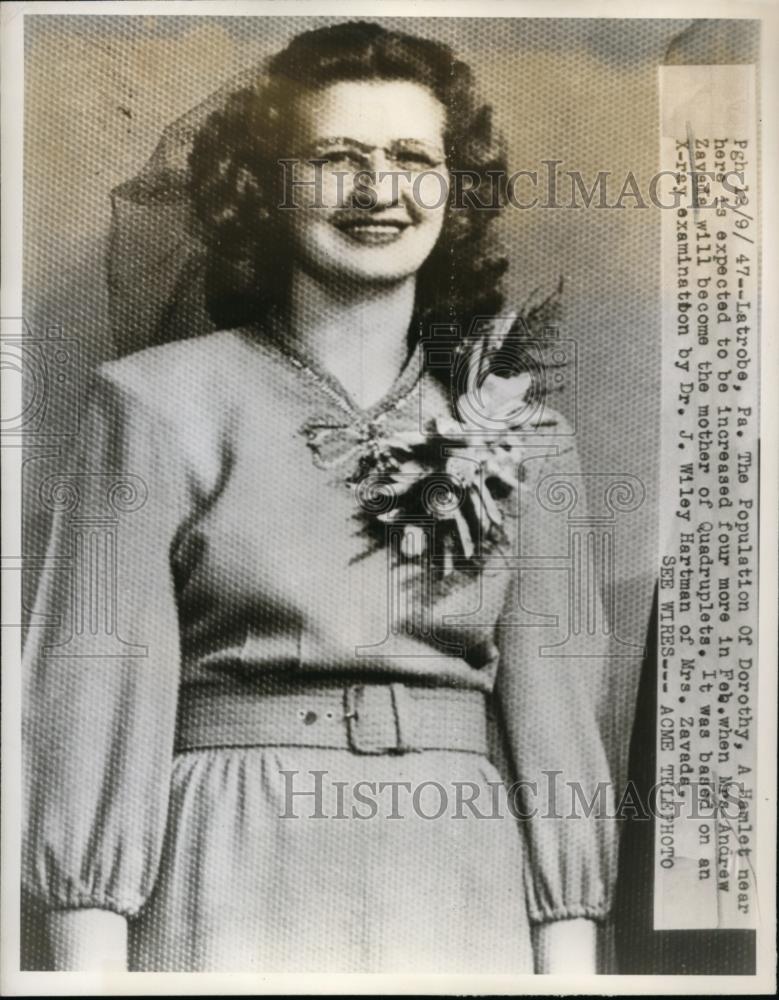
pixel 206 539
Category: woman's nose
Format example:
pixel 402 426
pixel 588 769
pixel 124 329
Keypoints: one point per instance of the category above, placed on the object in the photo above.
pixel 383 179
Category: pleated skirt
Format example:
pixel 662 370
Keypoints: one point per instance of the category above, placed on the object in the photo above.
pixel 301 859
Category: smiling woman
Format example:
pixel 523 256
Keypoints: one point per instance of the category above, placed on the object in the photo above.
pixel 414 118
pixel 361 191
pixel 319 572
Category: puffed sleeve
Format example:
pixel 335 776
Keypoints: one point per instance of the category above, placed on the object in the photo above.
pixel 550 688
pixel 100 680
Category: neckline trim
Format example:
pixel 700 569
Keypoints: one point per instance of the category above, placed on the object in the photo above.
pixel 273 330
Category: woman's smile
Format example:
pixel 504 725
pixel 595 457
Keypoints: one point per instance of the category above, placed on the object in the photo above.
pixel 371 230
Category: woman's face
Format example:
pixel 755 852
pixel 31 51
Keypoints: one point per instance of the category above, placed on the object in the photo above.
pixel 371 209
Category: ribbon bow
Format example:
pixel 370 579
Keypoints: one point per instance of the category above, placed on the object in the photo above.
pixel 361 442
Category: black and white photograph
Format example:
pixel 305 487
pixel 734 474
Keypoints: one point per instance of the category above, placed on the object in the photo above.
pixel 389 463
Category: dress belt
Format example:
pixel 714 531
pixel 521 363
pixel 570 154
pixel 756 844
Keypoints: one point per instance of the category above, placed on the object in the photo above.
pixel 365 718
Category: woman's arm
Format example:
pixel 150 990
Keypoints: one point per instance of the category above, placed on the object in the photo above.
pixel 101 681
pixel 550 690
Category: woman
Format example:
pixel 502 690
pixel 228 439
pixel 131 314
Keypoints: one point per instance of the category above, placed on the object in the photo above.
pixel 317 561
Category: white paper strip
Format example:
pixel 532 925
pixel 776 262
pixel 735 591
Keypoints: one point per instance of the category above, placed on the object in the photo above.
pixel 707 668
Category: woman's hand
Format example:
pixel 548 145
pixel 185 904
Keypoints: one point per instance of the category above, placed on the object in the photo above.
pixel 565 947
pixel 88 940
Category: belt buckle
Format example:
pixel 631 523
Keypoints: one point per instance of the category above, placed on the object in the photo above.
pixel 378 718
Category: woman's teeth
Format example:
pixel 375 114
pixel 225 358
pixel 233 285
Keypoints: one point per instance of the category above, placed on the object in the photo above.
pixel 373 231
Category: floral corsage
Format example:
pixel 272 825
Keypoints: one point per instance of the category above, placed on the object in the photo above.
pixel 443 488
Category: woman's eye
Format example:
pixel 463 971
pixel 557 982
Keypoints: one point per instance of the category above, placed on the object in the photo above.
pixel 342 158
pixel 413 160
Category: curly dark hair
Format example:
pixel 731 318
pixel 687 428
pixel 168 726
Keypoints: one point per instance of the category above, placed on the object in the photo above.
pixel 235 177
